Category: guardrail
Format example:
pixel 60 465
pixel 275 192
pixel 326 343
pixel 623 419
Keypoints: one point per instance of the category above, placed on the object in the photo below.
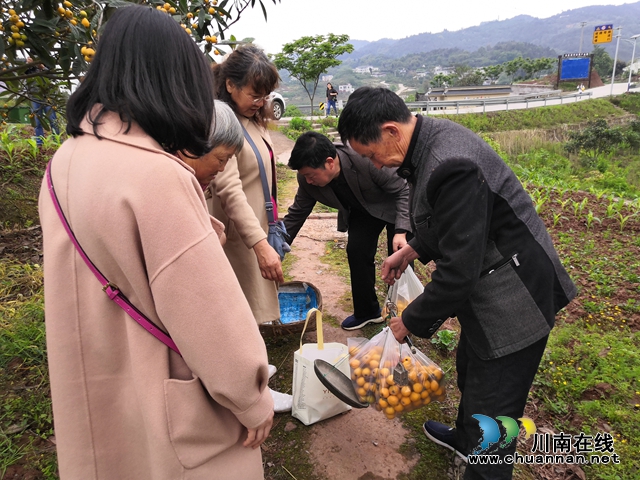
pixel 444 106
pixel 447 106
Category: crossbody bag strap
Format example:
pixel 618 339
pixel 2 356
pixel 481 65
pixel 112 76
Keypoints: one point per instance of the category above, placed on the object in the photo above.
pixel 263 176
pixel 109 288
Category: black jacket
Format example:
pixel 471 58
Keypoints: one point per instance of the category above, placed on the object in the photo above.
pixel 382 193
pixel 497 269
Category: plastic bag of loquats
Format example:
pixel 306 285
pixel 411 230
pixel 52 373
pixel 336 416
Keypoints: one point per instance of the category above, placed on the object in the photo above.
pixel 404 291
pixel 395 378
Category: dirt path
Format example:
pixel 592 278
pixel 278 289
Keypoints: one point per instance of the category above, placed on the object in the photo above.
pixel 360 444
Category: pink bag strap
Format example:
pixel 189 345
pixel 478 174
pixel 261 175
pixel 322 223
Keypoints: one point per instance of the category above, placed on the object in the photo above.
pixel 109 288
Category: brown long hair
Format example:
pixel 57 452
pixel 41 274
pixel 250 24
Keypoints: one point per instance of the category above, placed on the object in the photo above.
pixel 247 65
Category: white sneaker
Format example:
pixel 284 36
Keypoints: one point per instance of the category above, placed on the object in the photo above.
pixel 282 402
pixel 272 370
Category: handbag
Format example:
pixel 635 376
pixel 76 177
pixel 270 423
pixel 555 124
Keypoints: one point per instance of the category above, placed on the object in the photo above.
pixel 112 290
pixel 277 236
pixel 312 401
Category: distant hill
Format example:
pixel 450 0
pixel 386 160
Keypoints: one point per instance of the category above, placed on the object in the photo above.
pixel 560 33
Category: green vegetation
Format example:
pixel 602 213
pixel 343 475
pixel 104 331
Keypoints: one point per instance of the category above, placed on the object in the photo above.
pixel 22 165
pixel 331 122
pixel 589 374
pixel 297 126
pixel 629 102
pixel 539 118
pixel 445 340
pixel 597 139
pixel 25 405
pixel 292 111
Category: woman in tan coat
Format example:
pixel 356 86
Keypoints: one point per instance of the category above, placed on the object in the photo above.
pixel 245 80
pixel 125 405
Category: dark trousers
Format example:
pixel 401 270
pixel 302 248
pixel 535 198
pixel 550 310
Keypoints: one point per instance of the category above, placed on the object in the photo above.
pixel 497 387
pixel 362 245
pixel 331 103
pixel 41 111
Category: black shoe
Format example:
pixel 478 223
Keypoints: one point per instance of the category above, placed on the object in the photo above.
pixel 353 323
pixel 444 436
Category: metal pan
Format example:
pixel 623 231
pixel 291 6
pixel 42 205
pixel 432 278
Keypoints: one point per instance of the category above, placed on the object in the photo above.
pixel 337 383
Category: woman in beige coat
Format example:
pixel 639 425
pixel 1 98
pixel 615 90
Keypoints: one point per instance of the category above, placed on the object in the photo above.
pixel 126 406
pixel 244 80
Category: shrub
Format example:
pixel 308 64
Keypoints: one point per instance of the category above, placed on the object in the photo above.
pixel 596 139
pixel 329 122
pixel 292 111
pixel 298 123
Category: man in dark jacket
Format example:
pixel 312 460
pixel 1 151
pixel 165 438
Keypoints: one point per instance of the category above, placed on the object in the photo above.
pixel 368 200
pixel 496 268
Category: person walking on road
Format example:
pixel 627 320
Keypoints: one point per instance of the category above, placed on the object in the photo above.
pixel 332 98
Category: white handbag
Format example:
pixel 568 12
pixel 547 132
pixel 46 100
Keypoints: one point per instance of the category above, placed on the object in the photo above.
pixel 312 401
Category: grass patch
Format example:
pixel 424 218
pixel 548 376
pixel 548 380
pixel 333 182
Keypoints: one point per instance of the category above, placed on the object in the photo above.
pixel 536 118
pixel 590 373
pixel 628 101
pixel 287 186
pixel 25 404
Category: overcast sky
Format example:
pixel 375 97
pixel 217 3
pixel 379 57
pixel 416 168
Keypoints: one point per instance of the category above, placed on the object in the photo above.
pixel 375 19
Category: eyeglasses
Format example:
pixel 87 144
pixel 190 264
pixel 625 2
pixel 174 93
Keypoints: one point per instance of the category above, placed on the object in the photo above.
pixel 254 99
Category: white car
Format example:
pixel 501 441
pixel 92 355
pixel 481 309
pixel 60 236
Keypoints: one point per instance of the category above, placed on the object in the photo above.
pixel 278 104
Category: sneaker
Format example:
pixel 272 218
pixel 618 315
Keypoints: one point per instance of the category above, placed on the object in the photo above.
pixel 282 402
pixel 353 323
pixel 444 436
pixel 272 370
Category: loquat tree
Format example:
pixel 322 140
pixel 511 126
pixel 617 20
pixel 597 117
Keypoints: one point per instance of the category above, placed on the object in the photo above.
pixel 47 45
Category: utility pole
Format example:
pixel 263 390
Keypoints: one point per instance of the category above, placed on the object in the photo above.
pixel 582 24
pixel 615 59
pixel 633 54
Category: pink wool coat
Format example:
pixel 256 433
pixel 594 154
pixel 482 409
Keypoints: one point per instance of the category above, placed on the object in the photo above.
pixel 124 405
pixel 238 201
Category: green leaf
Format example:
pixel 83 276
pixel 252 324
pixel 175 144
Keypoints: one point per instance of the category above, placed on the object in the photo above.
pixel 41 25
pixel 119 3
pixel 264 10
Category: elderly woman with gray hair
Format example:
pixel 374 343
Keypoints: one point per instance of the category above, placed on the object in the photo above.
pixel 227 139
